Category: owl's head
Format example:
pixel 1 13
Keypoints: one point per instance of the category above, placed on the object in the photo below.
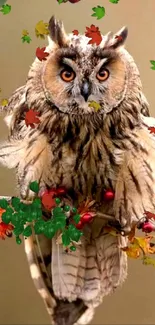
pixel 76 73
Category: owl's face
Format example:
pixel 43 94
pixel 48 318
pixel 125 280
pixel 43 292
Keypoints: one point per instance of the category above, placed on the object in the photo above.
pixel 76 73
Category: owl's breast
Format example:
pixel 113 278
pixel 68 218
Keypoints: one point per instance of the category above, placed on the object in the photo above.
pixel 87 170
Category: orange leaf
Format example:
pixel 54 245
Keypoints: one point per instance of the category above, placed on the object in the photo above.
pixel 94 33
pixel 31 118
pixel 75 32
pixel 131 251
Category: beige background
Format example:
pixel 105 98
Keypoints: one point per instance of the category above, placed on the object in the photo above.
pixel 19 301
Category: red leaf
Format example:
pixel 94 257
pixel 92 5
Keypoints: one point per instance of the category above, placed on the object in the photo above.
pixel 149 215
pixel 5 230
pixel 30 118
pixel 152 129
pixel 93 32
pixel 48 201
pixel 75 32
pixel 41 54
pixel 119 37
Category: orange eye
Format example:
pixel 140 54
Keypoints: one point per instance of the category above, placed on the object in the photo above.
pixel 102 75
pixel 67 75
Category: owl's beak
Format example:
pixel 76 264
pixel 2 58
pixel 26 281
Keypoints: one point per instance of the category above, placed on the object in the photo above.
pixel 85 90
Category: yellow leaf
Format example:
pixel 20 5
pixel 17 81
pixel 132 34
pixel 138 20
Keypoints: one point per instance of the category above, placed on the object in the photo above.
pixel 95 105
pixel 148 260
pixel 4 102
pixel 41 29
pixel 131 251
pixel 143 242
pixel 25 32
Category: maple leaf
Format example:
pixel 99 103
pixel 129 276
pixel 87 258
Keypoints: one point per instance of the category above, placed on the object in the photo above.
pixel 95 105
pixel 150 215
pixel 94 33
pixel 48 201
pixel 41 29
pixel 61 1
pixel 25 32
pixel 31 118
pixel 114 1
pixel 153 64
pixel 99 12
pixel 5 9
pixel 119 37
pixel 26 38
pixel 4 102
pixel 148 260
pixel 5 230
pixel 41 54
pixel 75 32
pixel 151 129
pixel 131 251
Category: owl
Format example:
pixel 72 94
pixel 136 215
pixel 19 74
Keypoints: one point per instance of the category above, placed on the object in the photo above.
pixel 88 151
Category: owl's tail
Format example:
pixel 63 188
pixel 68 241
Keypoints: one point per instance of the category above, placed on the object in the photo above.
pixel 38 251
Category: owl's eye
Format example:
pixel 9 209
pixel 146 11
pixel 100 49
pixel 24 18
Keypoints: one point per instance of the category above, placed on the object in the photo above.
pixel 67 74
pixel 103 74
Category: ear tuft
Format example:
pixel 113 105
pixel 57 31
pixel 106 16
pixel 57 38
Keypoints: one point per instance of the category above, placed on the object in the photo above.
pixel 120 37
pixel 57 32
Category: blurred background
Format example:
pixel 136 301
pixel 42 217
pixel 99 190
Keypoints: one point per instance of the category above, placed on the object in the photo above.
pixel 19 301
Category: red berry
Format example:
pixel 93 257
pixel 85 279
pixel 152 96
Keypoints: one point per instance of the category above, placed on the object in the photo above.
pixel 108 195
pixel 60 191
pixel 79 225
pixel 73 1
pixel 148 227
pixel 86 218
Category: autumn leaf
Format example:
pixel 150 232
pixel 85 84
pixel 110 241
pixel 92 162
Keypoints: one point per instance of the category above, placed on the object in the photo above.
pixel 119 37
pixel 95 105
pixel 150 215
pixel 5 230
pixel 6 9
pixel 114 1
pixel 131 251
pixel 147 260
pixel 4 102
pixel 41 54
pixel 31 118
pixel 75 32
pixel 26 39
pixel 99 12
pixel 94 33
pixel 153 64
pixel 48 201
pixel 151 129
pixel 41 29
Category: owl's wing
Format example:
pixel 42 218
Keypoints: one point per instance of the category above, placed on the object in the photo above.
pixel 135 187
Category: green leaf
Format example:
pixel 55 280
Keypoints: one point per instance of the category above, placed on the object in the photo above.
pixel 114 1
pixel 36 203
pixel 153 64
pixel 6 218
pixel 39 227
pixel 18 230
pixel 15 219
pixel 57 211
pixel 99 12
pixel 27 231
pixel 15 202
pixel 3 203
pixel 34 187
pixel 60 1
pixel 74 233
pixel 49 229
pixel 60 223
pixel 5 9
pixel 77 218
pixel 66 238
pixel 26 39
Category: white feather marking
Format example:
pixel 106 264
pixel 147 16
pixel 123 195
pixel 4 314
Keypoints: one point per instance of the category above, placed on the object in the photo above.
pixel 34 271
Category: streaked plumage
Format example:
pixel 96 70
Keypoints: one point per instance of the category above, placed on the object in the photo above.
pixel 86 151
